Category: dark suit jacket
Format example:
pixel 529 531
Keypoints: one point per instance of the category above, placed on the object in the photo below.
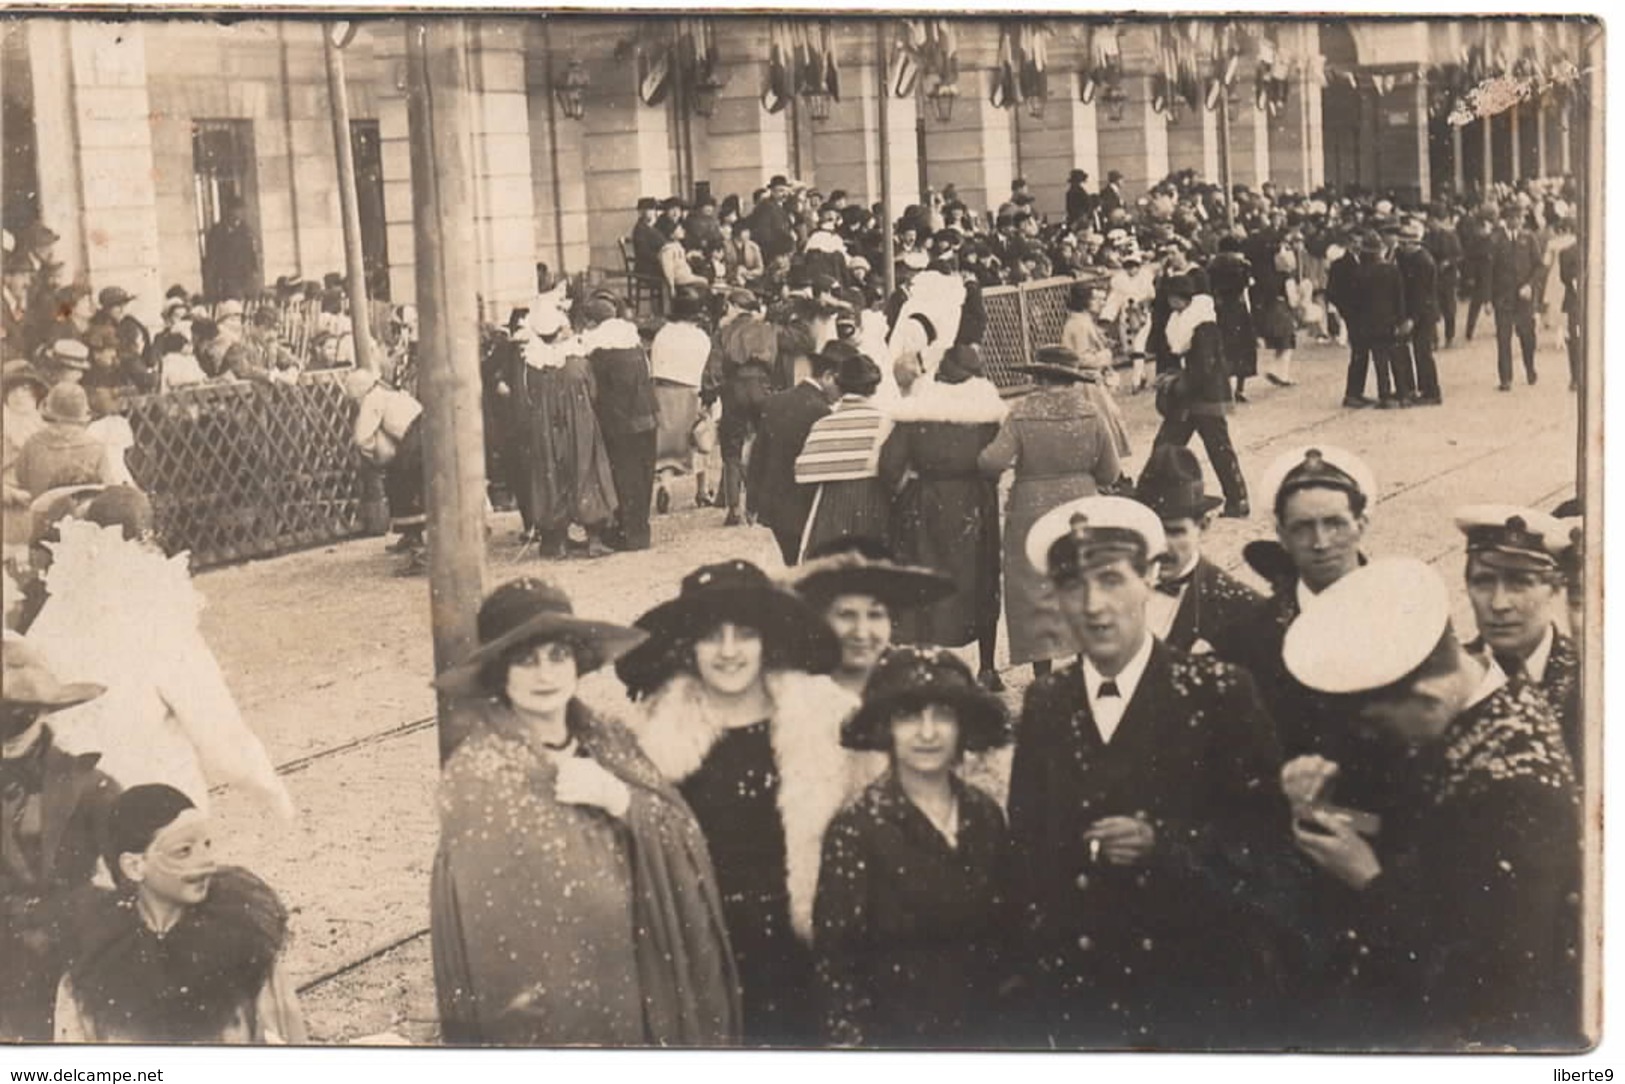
pixel 74 803
pixel 1166 945
pixel 771 228
pixel 1420 276
pixel 1110 200
pixel 1378 304
pixel 646 245
pixel 1214 605
pixel 1514 264
pixel 626 391
pixel 774 497
pixel 1445 247
pixel 1080 204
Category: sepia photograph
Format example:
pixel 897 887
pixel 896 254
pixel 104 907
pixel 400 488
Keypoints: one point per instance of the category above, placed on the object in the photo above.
pixel 801 531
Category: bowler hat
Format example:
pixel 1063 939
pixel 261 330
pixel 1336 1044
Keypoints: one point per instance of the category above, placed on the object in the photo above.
pixel 1171 484
pixel 531 610
pixel 1077 176
pixel 911 678
pixel 28 679
pixel 794 636
pixel 648 203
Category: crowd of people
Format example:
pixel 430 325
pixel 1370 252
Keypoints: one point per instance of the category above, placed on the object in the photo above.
pixel 1316 818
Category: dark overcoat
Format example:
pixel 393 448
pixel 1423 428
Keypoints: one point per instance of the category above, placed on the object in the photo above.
pixel 1212 608
pixel 770 480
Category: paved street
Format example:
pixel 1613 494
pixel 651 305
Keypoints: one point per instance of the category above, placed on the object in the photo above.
pixel 329 653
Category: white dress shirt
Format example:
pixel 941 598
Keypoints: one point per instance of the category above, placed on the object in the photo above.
pixel 1108 711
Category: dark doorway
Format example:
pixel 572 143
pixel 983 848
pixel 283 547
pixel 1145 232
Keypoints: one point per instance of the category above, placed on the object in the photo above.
pixel 367 147
pixel 223 171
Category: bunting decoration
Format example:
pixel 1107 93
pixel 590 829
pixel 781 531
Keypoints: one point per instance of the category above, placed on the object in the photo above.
pixel 800 64
pixel 1022 74
pixel 1101 70
pixel 925 49
pixel 685 49
pixel 1272 80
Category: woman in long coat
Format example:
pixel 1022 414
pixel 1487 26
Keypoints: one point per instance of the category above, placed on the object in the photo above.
pixel 911 918
pixel 948 509
pixel 562 471
pixel 739 714
pixel 1231 276
pixel 573 899
pixel 1061 449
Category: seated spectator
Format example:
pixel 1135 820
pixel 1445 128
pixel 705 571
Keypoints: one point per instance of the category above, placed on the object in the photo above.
pixel 674 265
pixel 63 452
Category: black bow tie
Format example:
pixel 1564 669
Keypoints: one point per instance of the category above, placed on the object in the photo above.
pixel 1107 688
pixel 1172 588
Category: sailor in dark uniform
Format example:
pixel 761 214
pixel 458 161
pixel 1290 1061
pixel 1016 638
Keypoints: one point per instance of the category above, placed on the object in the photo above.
pixel 1198 605
pixel 1143 813
pixel 1515 579
pixel 1461 922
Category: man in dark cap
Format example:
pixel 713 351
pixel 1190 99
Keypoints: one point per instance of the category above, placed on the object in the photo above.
pixel 1515 263
pixel 231 256
pixel 771 224
pixel 647 241
pixel 626 416
pixel 1140 796
pixel 53 815
pixel 1518 567
pixel 1459 926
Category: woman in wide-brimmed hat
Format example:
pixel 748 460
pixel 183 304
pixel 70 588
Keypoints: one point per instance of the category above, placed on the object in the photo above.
pixel 862 591
pixel 1061 448
pixel 740 712
pixel 573 900
pixel 911 911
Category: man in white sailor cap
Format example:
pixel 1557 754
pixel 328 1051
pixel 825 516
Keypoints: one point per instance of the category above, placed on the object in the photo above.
pixel 1518 561
pixel 1142 801
pixel 1321 496
pixel 1462 921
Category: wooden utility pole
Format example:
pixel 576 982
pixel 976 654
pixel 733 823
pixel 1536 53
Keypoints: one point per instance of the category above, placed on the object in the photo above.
pixel 454 449
pixel 888 244
pixel 1224 156
pixel 335 36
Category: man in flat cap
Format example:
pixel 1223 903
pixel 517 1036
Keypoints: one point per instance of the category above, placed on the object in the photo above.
pixel 1142 810
pixel 1460 929
pixel 1517 562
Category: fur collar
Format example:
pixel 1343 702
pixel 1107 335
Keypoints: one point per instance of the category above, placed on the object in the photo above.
pixel 189 984
pixel 816 775
pixel 974 402
pixel 1182 325
pixel 612 334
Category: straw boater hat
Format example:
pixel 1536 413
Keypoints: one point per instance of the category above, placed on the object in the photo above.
pixel 27 679
pixel 908 679
pixel 863 566
pixel 531 610
pixel 794 636
pixel 70 354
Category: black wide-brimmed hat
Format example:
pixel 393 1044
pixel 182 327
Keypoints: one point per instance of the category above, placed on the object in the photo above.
pixel 532 610
pixel 1059 361
pixel 794 636
pixel 908 679
pixel 865 566
pixel 1172 486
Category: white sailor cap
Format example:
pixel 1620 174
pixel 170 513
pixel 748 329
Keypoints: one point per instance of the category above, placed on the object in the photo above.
pixel 1323 465
pixel 1370 629
pixel 1096 530
pixel 1507 536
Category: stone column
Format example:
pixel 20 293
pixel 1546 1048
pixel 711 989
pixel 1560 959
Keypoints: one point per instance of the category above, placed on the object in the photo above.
pixel 974 150
pixel 1063 139
pixel 846 148
pixel 505 208
pixel 95 83
pixel 563 208
pixel 389 52
pixel 1136 146
pixel 741 145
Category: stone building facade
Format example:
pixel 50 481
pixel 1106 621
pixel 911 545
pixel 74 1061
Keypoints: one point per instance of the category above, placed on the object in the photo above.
pixel 125 137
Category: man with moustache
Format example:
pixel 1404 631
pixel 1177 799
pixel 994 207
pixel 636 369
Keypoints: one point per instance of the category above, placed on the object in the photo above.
pixel 1142 812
